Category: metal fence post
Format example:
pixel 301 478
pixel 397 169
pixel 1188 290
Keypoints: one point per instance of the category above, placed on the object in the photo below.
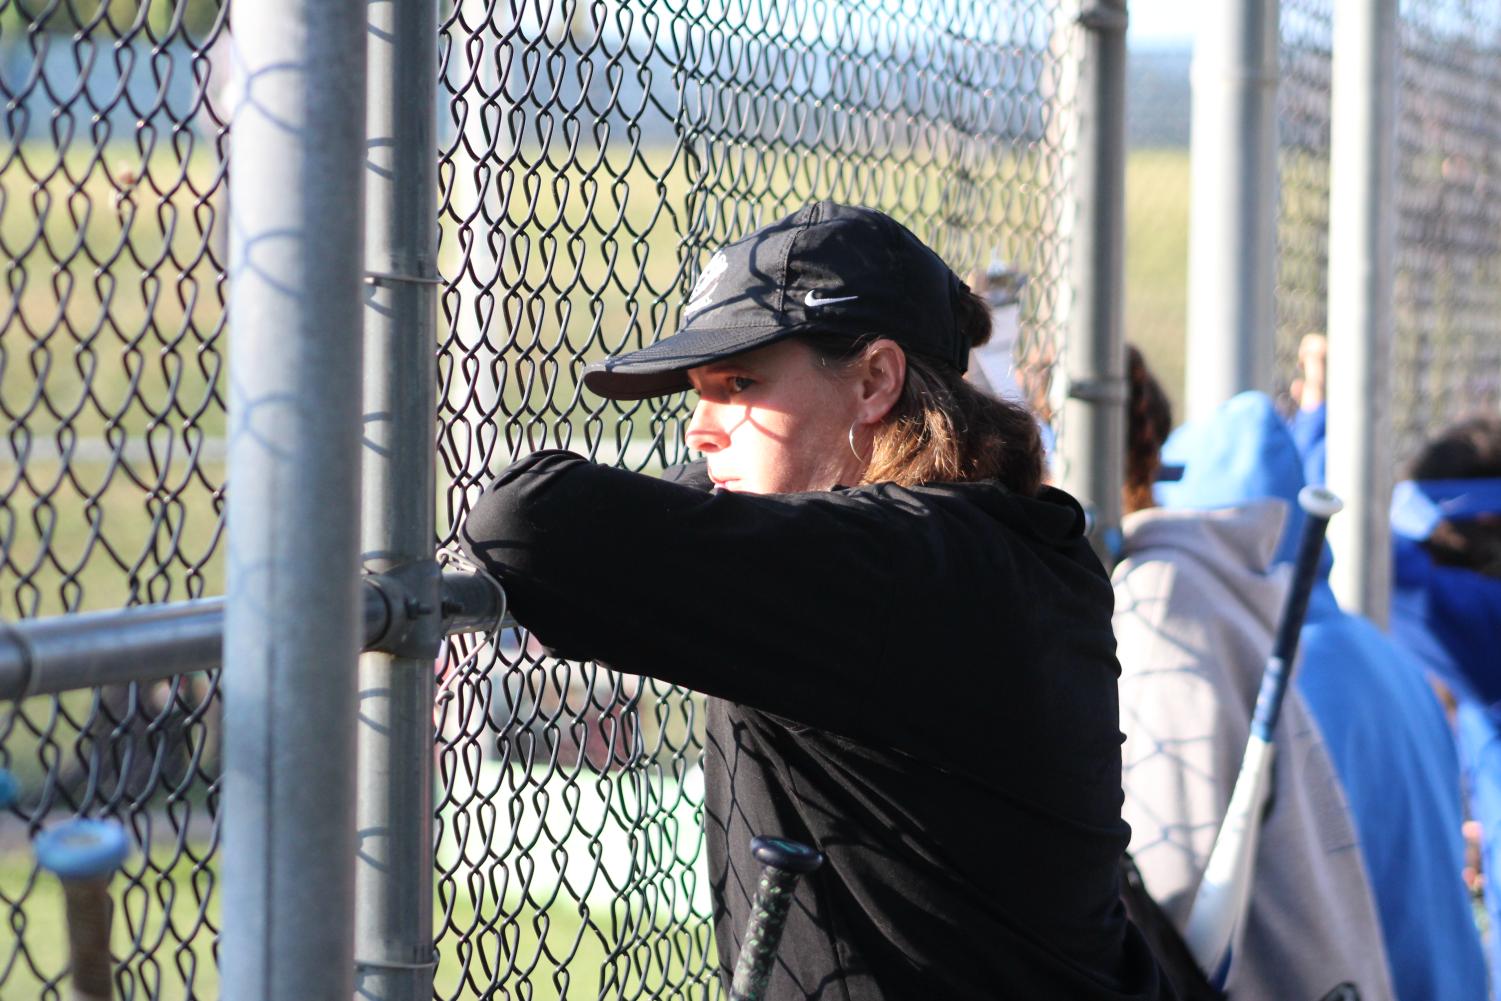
pixel 1094 442
pixel 1232 203
pixel 293 619
pixel 1362 200
pixel 394 874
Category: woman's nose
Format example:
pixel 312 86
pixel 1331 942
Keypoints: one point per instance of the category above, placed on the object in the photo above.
pixel 706 431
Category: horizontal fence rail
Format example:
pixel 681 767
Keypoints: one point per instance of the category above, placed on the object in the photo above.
pixel 67 652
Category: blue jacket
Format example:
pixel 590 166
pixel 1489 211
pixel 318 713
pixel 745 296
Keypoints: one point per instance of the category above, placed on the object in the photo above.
pixel 1384 728
pixel 1307 427
pixel 1450 619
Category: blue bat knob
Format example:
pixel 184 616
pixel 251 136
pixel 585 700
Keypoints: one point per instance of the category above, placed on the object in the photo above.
pixel 82 849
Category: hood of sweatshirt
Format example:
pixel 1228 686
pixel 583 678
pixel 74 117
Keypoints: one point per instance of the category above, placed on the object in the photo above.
pixel 1244 452
pixel 1235 544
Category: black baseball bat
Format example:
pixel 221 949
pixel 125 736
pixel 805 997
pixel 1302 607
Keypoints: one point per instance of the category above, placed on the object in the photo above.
pixel 785 863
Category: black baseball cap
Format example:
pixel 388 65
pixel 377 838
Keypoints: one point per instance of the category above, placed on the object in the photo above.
pixel 826 269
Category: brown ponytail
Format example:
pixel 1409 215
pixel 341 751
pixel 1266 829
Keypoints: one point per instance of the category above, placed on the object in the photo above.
pixel 1149 418
pixel 944 430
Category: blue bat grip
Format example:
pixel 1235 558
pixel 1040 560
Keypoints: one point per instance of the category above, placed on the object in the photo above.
pixel 1319 505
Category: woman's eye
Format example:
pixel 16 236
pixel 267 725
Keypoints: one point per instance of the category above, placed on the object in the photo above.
pixel 740 383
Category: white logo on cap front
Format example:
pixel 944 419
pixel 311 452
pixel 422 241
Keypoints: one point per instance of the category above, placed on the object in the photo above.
pixel 814 301
pixel 707 282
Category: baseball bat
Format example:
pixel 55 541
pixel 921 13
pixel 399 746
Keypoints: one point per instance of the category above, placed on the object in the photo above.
pixel 1216 919
pixel 785 863
pixel 84 854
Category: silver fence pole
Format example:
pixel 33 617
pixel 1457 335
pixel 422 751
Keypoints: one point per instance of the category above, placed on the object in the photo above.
pixel 293 615
pixel 1094 430
pixel 1362 225
pixel 1232 203
pixel 394 874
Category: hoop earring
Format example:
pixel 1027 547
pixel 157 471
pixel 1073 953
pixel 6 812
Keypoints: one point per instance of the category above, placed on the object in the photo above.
pixel 863 461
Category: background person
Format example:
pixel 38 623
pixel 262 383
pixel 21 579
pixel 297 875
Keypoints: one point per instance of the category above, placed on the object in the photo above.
pixel 1197 600
pixel 1446 610
pixel 1309 420
pixel 877 524
pixel 1381 723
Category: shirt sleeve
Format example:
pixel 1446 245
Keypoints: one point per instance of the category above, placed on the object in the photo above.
pixel 783 602
pixel 1308 430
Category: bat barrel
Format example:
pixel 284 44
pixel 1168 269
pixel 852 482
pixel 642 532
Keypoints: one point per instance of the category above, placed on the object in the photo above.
pixel 785 863
pixel 84 855
pixel 1219 908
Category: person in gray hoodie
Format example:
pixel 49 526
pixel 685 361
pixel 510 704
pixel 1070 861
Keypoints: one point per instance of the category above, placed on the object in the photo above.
pixel 1197 600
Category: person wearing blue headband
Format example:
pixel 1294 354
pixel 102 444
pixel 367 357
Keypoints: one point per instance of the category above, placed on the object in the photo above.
pixel 1446 609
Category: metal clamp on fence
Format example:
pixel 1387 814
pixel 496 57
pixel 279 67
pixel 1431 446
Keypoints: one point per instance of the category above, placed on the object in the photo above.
pixel 412 596
pixel 1101 390
pixel 392 278
pixel 1105 17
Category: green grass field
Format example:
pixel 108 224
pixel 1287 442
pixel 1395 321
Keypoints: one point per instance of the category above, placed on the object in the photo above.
pixel 544 954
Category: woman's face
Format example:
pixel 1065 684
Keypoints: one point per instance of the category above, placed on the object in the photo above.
pixel 775 420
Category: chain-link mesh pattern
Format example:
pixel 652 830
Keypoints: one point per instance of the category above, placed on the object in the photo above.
pixel 1303 164
pixel 1446 358
pixel 593 157
pixel 1447 308
pixel 111 456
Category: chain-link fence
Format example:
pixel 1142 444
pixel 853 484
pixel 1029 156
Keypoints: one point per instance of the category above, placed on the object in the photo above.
pixel 1448 249
pixel 591 156
pixel 1446 359
pixel 112 186
pixel 1303 96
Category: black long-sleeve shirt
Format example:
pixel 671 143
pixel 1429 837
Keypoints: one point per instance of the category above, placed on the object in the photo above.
pixel 920 682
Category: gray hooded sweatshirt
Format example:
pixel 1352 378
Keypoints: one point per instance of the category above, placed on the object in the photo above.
pixel 1196 607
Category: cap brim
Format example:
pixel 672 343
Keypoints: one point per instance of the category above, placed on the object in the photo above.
pixel 662 368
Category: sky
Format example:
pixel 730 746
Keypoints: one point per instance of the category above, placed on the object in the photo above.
pixel 1161 22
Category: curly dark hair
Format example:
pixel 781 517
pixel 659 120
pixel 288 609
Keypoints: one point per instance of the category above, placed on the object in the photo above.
pixel 1149 419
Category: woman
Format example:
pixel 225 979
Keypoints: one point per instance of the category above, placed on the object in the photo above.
pixel 1198 594
pixel 905 638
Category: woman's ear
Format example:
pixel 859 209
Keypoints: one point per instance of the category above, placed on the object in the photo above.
pixel 882 374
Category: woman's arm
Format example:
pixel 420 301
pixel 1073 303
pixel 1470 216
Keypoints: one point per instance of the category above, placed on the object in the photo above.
pixel 783 602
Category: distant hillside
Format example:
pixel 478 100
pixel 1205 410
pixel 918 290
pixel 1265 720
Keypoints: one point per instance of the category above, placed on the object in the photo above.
pixel 1157 97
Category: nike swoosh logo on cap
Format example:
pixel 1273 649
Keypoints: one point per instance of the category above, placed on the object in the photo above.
pixel 814 301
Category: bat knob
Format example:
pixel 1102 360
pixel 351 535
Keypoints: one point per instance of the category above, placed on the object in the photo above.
pixel 790 856
pixel 1320 502
pixel 82 849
